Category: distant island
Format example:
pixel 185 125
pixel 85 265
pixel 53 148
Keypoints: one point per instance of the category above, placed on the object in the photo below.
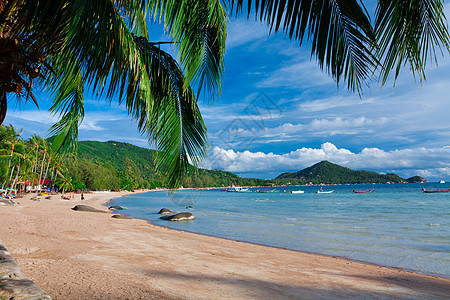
pixel 326 172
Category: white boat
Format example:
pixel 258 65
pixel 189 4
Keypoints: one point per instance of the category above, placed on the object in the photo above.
pixel 441 181
pixel 298 192
pixel 324 192
pixel 237 189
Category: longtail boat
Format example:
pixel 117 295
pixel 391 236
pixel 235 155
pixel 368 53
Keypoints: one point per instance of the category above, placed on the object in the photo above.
pixel 363 191
pixel 436 191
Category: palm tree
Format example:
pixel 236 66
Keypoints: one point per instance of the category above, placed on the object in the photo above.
pixel 34 142
pixel 104 45
pixel 65 183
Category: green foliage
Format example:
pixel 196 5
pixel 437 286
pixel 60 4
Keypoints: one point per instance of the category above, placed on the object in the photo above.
pixel 104 45
pixel 416 179
pixel 132 167
pixel 218 178
pixel 329 173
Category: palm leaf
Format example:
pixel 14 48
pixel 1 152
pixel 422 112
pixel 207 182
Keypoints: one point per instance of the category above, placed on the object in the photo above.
pixel 174 122
pixel 410 32
pixel 68 102
pixel 340 33
pixel 198 29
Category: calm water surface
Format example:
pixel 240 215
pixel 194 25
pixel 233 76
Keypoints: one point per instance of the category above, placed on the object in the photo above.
pixel 397 225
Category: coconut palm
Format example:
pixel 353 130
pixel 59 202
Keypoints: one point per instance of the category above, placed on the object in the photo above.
pixel 65 183
pixel 11 147
pixel 104 45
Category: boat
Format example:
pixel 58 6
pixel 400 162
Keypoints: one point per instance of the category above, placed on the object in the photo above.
pixel 363 191
pixel 267 191
pixel 436 191
pixel 441 181
pixel 298 192
pixel 237 189
pixel 324 192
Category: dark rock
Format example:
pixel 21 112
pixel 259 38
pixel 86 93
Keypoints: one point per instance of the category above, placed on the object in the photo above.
pixel 179 217
pixel 165 211
pixel 81 207
pixel 115 207
pixel 120 216
pixel 8 202
pixel 13 283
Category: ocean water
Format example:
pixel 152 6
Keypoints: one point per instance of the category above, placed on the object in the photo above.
pixel 397 225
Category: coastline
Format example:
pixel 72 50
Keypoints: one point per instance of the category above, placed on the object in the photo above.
pixel 105 204
pixel 81 255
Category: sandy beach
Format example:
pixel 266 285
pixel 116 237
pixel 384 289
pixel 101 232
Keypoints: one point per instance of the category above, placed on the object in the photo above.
pixel 85 255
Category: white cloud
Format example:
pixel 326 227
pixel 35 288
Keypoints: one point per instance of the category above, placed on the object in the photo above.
pixel 242 31
pixel 239 132
pixel 335 102
pixel 297 73
pixel 431 162
pixel 40 116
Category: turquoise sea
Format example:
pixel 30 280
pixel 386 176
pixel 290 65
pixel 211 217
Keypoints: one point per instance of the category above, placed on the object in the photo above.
pixel 397 225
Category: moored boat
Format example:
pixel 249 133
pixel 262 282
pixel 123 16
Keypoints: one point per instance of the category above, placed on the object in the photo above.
pixel 298 192
pixel 436 191
pixel 363 191
pixel 320 191
pixel 237 189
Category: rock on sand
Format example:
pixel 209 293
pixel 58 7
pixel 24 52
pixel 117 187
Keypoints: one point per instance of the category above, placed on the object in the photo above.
pixel 179 217
pixel 81 207
pixel 165 211
pixel 115 207
pixel 120 216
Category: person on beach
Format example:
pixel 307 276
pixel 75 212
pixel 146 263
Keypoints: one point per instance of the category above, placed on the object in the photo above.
pixel 82 197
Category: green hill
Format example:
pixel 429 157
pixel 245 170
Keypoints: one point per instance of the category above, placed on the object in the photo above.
pixel 329 173
pixel 115 165
pixel 416 179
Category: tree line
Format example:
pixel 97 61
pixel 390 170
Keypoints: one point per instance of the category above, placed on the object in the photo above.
pixel 29 164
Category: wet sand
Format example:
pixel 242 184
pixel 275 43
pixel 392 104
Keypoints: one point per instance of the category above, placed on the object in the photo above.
pixel 85 255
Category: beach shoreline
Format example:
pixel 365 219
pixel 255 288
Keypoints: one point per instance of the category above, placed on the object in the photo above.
pixel 84 255
pixel 107 203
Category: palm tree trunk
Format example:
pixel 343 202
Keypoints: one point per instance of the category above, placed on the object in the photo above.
pixel 35 161
pixel 12 172
pixel 46 169
pixel 17 176
pixel 3 106
pixel 42 169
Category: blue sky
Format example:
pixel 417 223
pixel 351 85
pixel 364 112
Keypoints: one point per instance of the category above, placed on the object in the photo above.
pixel 279 112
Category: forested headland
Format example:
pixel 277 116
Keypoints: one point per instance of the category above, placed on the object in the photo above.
pixel 95 166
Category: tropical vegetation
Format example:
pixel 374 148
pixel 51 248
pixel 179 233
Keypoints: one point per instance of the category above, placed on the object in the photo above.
pixel 27 164
pixel 67 46
pixel 115 165
pixel 95 166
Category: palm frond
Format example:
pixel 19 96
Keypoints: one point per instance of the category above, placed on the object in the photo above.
pixel 68 102
pixel 410 32
pixel 100 52
pixel 103 45
pixel 198 29
pixel 174 122
pixel 340 32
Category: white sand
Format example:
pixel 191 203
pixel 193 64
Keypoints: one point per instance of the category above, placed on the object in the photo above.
pixel 84 255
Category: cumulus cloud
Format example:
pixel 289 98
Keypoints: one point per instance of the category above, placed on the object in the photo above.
pixel 428 162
